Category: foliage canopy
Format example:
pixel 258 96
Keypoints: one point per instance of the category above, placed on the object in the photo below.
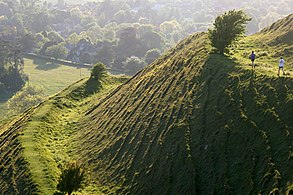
pixel 11 66
pixel 227 28
pixel 98 71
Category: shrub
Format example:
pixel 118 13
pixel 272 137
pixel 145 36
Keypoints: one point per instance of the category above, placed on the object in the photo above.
pixel 71 179
pixel 98 71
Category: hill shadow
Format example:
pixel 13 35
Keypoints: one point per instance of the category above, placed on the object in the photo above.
pixel 226 62
pixel 226 65
pixel 45 65
pixel 89 87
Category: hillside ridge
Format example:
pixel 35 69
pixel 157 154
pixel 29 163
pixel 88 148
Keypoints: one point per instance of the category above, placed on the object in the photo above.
pixel 193 122
pixel 183 116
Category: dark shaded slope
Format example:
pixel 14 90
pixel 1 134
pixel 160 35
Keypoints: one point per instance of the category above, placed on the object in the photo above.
pixel 15 177
pixel 280 32
pixel 193 123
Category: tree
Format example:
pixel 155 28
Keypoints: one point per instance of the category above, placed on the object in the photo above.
pixel 57 51
pixel 71 178
pixel 73 39
pixel 40 21
pixel 98 71
pixel 169 27
pixel 27 42
pixel 106 54
pixel 11 66
pixel 55 36
pixel 133 65
pixel 227 28
pixel 152 40
pixel 128 43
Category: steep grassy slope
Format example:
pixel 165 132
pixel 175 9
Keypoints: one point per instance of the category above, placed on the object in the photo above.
pixel 33 147
pixel 270 44
pixel 15 177
pixel 193 122
pixel 196 122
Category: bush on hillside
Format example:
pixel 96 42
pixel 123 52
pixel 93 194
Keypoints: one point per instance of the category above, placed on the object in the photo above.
pixel 227 28
pixel 98 71
pixel 71 179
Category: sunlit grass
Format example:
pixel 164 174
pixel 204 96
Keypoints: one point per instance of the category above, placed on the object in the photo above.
pixel 51 78
pixel 267 57
pixel 47 139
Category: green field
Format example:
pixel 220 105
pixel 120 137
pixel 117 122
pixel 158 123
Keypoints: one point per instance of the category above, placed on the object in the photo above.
pixel 50 77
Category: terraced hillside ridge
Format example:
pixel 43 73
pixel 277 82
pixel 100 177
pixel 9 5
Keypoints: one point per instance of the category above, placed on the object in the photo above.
pixel 35 146
pixel 193 122
pixel 15 176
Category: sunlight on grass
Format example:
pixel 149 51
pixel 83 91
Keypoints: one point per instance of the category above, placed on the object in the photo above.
pixel 267 57
pixel 53 79
pixel 47 138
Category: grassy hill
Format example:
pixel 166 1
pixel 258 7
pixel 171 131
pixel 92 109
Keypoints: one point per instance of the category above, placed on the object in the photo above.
pixel 35 145
pixel 193 122
pixel 198 122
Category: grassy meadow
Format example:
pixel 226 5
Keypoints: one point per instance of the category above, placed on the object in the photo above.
pixel 50 77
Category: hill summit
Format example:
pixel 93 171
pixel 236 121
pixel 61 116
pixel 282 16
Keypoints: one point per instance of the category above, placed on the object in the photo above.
pixel 193 122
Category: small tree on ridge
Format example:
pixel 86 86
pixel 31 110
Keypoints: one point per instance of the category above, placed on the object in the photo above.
pixel 99 70
pixel 227 28
pixel 71 178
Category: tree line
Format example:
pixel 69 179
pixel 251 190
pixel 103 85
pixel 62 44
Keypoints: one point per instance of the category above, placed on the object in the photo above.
pixel 125 35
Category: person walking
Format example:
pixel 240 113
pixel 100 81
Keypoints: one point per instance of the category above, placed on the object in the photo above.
pixel 252 58
pixel 281 65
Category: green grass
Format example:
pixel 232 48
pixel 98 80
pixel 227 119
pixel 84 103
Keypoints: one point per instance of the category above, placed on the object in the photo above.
pixel 42 139
pixel 47 140
pixel 193 122
pixel 52 78
pixel 267 61
pixel 197 122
